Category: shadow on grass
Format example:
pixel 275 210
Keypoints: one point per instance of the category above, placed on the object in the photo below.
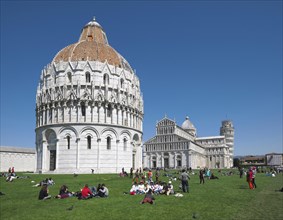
pixel 244 187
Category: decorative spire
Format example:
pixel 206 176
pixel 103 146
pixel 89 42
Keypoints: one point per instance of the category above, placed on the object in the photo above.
pixel 93 22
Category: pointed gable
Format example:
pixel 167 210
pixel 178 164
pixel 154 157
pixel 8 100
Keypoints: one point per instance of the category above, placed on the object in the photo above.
pixel 165 122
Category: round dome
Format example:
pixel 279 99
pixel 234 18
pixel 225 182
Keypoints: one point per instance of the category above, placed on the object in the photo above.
pixel 188 125
pixel 93 46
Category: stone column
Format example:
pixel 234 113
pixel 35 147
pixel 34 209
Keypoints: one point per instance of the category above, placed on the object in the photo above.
pixel 123 115
pixel 65 109
pixel 57 153
pixel 79 113
pixel 95 114
pixel 92 111
pixel 137 121
pixel 119 115
pixel 101 114
pixel 189 162
pixel 221 158
pixel 78 154
pixel 98 112
pixel 117 155
pixel 98 156
pixel 56 114
pixel 162 159
pixel 87 117
pixel 43 115
pixel 132 119
pixel 60 113
pixel 47 114
pixel 149 161
pixel 113 115
pixel 105 113
pixel 40 117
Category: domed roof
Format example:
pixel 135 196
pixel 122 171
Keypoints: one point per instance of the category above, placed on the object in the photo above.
pixel 188 125
pixel 93 46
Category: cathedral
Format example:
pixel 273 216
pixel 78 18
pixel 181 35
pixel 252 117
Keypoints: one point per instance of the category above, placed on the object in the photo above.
pixel 179 147
pixel 89 109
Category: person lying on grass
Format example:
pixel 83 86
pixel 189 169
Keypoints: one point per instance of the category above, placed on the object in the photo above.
pixel 148 198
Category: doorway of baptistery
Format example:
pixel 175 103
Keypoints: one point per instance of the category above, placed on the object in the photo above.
pixel 52 165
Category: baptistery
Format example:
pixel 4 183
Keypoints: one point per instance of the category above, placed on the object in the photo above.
pixel 89 109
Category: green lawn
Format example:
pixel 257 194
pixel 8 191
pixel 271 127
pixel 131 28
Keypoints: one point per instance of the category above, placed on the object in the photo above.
pixel 226 198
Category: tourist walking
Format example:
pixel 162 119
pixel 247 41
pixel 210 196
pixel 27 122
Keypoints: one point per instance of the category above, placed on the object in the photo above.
pixel 201 176
pixel 253 176
pixel 249 178
pixel 157 174
pixel 184 180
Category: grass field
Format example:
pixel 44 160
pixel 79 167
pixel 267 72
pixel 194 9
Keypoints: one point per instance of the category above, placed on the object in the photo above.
pixel 226 198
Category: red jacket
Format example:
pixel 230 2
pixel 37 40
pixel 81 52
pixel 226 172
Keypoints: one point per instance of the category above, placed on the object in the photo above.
pixel 86 192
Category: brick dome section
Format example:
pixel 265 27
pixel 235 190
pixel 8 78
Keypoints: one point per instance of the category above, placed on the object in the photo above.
pixel 93 46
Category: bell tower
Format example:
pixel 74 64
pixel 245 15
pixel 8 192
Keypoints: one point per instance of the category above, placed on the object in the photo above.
pixel 227 130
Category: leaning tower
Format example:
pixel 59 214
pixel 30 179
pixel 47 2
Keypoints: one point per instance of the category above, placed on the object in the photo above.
pixel 227 130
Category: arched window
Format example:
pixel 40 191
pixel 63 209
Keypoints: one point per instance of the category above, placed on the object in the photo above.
pixel 121 83
pixel 109 111
pixel 125 144
pixel 83 109
pixel 105 79
pixel 68 142
pixel 69 76
pixel 108 143
pixel 89 142
pixel 87 77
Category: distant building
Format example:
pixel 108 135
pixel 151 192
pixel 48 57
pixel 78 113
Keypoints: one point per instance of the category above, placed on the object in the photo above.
pixel 253 160
pixel 177 147
pixel 22 159
pixel 274 159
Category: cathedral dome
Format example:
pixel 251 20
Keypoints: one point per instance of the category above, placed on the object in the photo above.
pixel 92 46
pixel 188 125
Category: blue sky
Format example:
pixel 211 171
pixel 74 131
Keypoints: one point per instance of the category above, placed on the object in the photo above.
pixel 209 60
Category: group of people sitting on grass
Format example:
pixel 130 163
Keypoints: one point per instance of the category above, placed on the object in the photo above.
pixel 85 193
pixel 155 188
pixel 89 192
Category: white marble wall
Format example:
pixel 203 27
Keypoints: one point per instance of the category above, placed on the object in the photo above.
pixel 78 158
pixel 22 159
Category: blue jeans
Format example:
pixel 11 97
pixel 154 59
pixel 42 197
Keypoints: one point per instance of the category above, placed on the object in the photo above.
pixel 185 185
